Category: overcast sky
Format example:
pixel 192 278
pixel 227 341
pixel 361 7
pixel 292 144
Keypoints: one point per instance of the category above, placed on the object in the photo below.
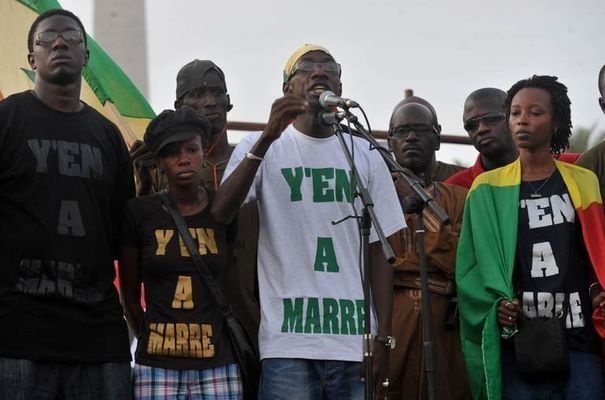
pixel 442 49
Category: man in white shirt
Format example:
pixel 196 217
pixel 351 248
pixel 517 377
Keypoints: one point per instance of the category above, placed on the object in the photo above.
pixel 312 306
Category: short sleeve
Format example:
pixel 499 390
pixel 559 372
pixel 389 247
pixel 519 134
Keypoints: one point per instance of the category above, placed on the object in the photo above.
pixel 123 189
pixel 129 232
pixel 386 203
pixel 239 153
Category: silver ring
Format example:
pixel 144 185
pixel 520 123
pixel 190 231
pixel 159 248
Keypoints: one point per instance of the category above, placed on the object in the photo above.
pixel 385 384
pixel 510 318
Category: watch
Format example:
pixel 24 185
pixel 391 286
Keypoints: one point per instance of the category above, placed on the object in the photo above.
pixel 388 341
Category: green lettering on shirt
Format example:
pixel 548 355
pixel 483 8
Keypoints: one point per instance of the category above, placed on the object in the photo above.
pixel 330 320
pixel 347 320
pixel 361 312
pixel 312 324
pixel 321 182
pixel 328 184
pixel 344 186
pixel 293 316
pixel 340 317
pixel 325 256
pixel 294 178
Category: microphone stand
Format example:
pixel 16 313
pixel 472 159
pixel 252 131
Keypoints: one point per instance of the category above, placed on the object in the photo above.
pixel 422 200
pixel 411 178
pixel 368 217
pixel 416 206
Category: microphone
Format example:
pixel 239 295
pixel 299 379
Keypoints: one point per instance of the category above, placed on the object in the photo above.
pixel 328 99
pixel 330 118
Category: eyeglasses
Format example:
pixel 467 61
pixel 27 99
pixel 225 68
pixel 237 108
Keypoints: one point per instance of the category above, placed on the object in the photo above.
pixel 472 125
pixel 70 36
pixel 402 132
pixel 309 66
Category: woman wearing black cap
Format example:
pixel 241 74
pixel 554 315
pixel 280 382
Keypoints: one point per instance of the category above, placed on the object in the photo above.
pixel 183 347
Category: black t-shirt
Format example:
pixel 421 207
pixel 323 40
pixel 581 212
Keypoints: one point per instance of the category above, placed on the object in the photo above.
pixel 182 328
pixel 552 265
pixel 64 178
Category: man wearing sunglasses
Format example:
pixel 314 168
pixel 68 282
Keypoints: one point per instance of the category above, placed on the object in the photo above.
pixel 414 139
pixel 483 118
pixel 65 175
pixel 308 268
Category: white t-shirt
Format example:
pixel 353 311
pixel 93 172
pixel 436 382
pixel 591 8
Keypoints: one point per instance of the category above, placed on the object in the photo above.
pixel 309 269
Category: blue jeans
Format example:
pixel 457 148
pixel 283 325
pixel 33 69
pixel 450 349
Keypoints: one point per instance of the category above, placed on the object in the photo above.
pixel 36 380
pixel 300 379
pixel 584 382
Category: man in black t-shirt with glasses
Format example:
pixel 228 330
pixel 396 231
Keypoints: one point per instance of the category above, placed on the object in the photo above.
pixel 65 175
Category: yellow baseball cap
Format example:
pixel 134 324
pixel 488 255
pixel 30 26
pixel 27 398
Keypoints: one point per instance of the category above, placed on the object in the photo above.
pixel 301 51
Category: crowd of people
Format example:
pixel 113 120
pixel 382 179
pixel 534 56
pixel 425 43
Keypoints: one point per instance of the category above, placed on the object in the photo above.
pixel 515 279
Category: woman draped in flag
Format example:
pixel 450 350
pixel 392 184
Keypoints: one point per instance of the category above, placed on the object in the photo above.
pixel 533 245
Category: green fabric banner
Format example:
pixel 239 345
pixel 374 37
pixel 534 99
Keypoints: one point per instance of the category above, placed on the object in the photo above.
pixel 103 75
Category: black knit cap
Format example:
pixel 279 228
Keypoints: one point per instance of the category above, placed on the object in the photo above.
pixel 191 76
pixel 175 126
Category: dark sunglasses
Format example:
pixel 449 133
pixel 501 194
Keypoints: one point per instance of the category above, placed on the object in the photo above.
pixel 472 125
pixel 70 36
pixel 309 66
pixel 402 132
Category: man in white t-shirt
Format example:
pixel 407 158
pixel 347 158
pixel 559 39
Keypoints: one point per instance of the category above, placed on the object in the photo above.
pixel 312 307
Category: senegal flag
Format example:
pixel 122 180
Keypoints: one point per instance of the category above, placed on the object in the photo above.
pixel 486 257
pixel 105 86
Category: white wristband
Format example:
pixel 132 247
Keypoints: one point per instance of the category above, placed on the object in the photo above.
pixel 253 157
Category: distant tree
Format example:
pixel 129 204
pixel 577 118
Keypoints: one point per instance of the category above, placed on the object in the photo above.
pixel 584 138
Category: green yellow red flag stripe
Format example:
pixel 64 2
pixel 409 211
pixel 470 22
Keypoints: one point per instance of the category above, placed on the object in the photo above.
pixel 486 258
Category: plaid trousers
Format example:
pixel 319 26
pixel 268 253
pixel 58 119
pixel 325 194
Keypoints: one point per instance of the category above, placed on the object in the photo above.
pixel 220 383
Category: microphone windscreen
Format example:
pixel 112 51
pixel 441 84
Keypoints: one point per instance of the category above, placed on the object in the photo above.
pixel 323 97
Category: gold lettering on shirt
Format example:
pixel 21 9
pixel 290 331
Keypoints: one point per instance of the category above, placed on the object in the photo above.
pixel 162 236
pixel 206 241
pixel 195 344
pixel 183 294
pixel 169 347
pixel 156 337
pixel 184 251
pixel 207 346
pixel 180 340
